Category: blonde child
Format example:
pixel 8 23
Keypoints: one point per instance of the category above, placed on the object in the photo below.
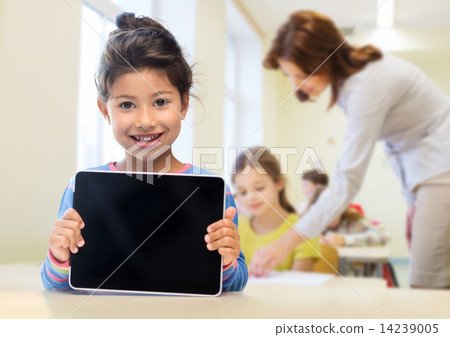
pixel 144 84
pixel 261 190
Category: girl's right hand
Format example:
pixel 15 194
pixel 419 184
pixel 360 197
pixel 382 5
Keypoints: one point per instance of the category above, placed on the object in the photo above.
pixel 66 235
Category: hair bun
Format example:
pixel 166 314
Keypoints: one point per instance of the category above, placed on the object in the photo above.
pixel 126 21
pixel 129 21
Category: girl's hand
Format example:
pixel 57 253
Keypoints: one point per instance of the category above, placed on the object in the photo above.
pixel 224 237
pixel 267 258
pixel 66 235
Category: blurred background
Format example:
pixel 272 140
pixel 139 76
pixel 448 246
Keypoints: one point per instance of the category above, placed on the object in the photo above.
pixel 51 127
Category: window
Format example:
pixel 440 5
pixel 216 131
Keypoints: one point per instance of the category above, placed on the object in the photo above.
pixel 95 142
pixel 243 81
pixel 231 93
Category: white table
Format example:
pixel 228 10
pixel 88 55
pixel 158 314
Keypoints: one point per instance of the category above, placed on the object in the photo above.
pixel 22 296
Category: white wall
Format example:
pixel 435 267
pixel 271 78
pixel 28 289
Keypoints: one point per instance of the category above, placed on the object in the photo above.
pixel 210 43
pixel 38 90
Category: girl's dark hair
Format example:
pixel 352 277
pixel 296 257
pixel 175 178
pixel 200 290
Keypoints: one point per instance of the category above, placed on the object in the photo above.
pixel 141 42
pixel 307 39
pixel 269 163
pixel 316 177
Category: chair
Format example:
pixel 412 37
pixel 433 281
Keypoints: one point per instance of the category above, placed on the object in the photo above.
pixel 389 275
pixel 330 255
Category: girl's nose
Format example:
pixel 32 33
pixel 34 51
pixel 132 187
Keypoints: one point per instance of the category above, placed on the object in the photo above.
pixel 146 119
pixel 253 195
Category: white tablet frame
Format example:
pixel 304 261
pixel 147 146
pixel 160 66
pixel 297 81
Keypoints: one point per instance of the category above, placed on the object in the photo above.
pixel 155 292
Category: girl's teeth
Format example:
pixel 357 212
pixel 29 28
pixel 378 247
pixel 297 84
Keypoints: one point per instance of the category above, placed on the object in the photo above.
pixel 146 139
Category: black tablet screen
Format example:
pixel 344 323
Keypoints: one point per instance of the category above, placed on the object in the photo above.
pixel 146 233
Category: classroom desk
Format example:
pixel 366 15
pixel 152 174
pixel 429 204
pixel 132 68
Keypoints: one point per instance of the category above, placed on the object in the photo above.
pixel 378 255
pixel 22 296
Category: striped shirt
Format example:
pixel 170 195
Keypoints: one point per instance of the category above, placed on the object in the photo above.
pixel 55 275
pixel 360 233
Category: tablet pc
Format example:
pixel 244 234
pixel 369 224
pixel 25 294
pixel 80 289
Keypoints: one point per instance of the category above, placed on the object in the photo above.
pixel 145 233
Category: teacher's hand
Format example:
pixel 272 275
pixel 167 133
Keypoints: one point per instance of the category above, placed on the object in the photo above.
pixel 267 258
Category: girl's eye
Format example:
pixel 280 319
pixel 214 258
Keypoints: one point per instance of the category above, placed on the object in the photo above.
pixel 242 193
pixel 160 102
pixel 127 105
pixel 259 188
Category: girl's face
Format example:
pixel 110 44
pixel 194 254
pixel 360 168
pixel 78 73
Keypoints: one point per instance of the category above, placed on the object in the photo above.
pixel 312 86
pixel 257 192
pixel 308 188
pixel 145 112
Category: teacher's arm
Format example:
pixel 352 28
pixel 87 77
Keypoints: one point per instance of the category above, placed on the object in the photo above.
pixel 367 106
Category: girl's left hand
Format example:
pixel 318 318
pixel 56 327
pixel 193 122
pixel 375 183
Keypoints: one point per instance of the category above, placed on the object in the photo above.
pixel 224 237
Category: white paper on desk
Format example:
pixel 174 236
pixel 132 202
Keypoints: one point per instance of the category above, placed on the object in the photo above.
pixel 293 277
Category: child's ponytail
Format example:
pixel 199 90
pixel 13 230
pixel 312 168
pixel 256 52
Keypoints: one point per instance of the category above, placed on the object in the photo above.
pixel 284 201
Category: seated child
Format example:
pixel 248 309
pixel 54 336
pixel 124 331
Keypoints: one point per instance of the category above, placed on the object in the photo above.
pixel 310 180
pixel 144 85
pixel 351 228
pixel 261 190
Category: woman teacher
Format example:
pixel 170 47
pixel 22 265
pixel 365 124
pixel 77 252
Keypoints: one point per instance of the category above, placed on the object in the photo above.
pixel 384 98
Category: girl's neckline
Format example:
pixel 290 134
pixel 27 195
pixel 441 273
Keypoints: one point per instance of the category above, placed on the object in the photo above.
pixel 112 167
pixel 289 221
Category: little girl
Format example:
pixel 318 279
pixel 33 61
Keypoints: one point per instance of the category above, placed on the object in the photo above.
pixel 310 180
pixel 143 83
pixel 351 228
pixel 261 190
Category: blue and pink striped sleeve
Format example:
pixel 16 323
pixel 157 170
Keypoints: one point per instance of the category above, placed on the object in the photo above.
pixel 235 276
pixel 55 275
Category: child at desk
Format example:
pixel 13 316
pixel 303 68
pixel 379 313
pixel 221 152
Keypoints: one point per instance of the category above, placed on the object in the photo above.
pixel 143 84
pixel 310 180
pixel 351 228
pixel 261 189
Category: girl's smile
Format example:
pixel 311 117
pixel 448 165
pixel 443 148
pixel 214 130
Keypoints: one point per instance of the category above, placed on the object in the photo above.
pixel 147 140
pixel 255 206
pixel 145 112
pixel 257 192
